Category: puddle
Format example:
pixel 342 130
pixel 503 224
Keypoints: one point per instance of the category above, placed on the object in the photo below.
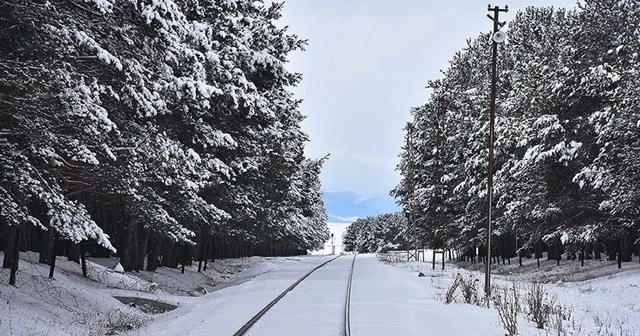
pixel 146 305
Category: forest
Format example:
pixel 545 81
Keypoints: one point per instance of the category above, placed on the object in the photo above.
pixel 161 132
pixel 377 234
pixel 567 146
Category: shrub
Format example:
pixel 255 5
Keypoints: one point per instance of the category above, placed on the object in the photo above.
pixel 507 302
pixel 539 305
pixel 468 288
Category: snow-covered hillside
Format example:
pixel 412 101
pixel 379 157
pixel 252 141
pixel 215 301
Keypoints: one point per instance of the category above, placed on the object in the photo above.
pixel 70 304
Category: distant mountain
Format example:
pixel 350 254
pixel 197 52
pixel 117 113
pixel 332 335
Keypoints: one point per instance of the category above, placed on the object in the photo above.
pixel 345 206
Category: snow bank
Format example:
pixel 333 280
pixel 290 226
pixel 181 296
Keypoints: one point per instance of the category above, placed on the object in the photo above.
pixel 73 305
pixel 596 299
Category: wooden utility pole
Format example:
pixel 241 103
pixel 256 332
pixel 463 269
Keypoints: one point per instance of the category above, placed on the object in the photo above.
pixel 412 221
pixel 441 107
pixel 439 165
pixel 492 114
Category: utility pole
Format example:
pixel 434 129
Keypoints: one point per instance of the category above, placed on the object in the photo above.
pixel 497 37
pixel 441 107
pixel 412 221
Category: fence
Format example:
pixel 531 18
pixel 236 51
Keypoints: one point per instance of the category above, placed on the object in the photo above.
pixel 424 255
pixel 394 256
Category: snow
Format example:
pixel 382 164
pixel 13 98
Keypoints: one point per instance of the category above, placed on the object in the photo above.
pixel 387 300
pixel 73 305
pixel 338 230
pixel 118 268
pixel 598 298
pixel 225 311
pixel 68 305
pixel 317 302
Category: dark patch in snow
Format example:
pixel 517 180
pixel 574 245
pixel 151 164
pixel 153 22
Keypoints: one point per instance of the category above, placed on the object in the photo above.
pixel 146 305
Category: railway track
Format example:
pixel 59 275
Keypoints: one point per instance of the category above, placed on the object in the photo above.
pixel 346 326
pixel 347 302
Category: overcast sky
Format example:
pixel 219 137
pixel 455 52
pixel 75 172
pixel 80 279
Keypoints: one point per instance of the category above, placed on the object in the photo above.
pixel 367 63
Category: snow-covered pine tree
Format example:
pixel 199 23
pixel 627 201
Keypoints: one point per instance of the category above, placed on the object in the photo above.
pixel 376 234
pixel 565 120
pixel 163 124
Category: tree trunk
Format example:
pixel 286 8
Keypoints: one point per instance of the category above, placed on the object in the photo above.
pixel 45 246
pixel 73 254
pixel 142 251
pixel 135 259
pixel 596 251
pixel 433 252
pixel 52 260
pixel 184 258
pixel 128 253
pixel 611 250
pixel 551 251
pixel 170 255
pixel 15 256
pixel 588 251
pixel 154 253
pixel 9 242
pixel 83 261
pixel 215 248
pixel 207 252
pixel 626 248
pixel 619 254
pixel 556 244
pixel 201 255
pixel 519 250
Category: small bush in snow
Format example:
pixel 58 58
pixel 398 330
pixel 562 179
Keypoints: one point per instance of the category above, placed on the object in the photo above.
pixel 119 322
pixel 450 294
pixel 507 302
pixel 559 314
pixel 539 305
pixel 468 288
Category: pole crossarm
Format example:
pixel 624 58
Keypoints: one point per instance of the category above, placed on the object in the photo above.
pixel 496 10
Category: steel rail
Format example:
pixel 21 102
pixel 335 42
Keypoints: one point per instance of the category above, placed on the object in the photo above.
pixel 264 310
pixel 347 305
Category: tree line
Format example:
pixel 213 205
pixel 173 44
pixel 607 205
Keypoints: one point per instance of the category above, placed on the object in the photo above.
pixel 163 130
pixel 567 145
pixel 376 234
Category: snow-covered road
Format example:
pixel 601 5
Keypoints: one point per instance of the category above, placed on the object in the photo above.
pixel 315 307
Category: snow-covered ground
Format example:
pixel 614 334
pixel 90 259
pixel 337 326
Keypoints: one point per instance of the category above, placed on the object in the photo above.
pixel 223 312
pixel 595 299
pixel 73 305
pixel 386 299
pixel 314 308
